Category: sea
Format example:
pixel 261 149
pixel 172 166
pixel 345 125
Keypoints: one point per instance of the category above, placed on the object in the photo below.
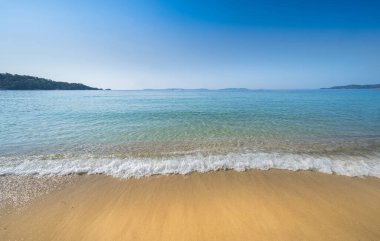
pixel 132 134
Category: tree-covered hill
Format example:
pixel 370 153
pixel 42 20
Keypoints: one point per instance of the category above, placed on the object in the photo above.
pixel 25 82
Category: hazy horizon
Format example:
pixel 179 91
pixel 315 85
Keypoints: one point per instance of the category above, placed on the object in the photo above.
pixel 194 88
pixel 199 44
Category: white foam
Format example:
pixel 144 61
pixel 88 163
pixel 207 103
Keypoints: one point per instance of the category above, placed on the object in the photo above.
pixel 126 168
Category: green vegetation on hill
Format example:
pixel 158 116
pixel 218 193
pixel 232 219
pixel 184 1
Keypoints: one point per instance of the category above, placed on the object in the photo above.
pixel 25 82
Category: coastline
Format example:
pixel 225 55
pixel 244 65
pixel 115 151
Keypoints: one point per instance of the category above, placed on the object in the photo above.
pixel 221 205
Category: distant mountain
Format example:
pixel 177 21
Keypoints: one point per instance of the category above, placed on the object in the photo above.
pixel 235 89
pixel 25 82
pixel 177 89
pixel 355 87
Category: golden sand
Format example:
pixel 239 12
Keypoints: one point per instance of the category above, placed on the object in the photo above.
pixel 225 205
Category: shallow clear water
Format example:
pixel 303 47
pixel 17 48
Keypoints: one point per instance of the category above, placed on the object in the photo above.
pixel 136 133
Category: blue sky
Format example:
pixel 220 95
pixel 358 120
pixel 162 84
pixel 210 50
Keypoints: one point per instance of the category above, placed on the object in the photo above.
pixel 193 44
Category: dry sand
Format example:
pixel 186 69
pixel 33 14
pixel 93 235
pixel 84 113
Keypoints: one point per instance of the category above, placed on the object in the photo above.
pixel 224 205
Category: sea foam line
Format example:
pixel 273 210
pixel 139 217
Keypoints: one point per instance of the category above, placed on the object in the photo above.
pixel 127 168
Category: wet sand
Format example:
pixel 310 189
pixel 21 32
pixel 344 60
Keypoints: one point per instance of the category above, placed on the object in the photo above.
pixel 223 205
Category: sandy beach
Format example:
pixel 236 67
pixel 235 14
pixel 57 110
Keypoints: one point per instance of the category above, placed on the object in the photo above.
pixel 223 205
pixel 190 120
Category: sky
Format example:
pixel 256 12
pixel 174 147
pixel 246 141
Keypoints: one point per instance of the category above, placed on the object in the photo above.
pixel 137 44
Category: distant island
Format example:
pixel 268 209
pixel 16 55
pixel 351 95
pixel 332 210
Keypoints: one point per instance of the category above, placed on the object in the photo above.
pixel 352 87
pixel 25 82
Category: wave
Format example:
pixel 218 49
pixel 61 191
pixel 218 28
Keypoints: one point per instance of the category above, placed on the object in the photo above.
pixel 140 167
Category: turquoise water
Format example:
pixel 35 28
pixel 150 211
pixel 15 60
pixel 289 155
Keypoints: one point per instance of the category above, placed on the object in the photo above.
pixel 137 133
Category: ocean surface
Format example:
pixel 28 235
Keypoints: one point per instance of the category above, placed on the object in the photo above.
pixel 142 133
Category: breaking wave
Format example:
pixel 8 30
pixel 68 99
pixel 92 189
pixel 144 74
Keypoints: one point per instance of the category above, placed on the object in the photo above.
pixel 140 167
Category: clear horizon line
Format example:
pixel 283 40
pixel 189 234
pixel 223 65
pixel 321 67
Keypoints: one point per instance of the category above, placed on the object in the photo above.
pixel 212 89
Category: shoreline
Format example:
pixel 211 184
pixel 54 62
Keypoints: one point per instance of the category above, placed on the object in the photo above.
pixel 221 205
pixel 128 167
